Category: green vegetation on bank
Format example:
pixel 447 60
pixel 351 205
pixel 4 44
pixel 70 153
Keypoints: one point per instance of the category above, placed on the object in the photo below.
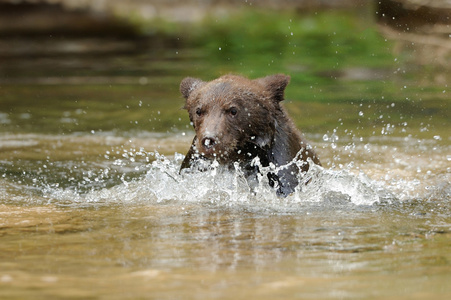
pixel 257 42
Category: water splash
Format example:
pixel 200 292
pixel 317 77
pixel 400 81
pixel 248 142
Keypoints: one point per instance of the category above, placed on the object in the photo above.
pixel 355 174
pixel 162 183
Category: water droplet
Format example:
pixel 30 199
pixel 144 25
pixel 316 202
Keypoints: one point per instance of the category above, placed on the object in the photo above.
pixel 143 80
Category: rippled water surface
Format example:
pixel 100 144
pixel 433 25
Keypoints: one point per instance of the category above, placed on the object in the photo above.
pixel 92 205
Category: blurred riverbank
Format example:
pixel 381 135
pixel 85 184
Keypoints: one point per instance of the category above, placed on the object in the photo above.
pixel 421 34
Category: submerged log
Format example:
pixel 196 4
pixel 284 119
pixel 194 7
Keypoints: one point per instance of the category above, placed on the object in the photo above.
pixel 414 15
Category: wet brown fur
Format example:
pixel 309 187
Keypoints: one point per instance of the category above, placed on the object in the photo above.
pixel 237 119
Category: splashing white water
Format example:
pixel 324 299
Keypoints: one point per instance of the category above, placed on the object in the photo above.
pixel 386 170
pixel 142 178
pixel 223 188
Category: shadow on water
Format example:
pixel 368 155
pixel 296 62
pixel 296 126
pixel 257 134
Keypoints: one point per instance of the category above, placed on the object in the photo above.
pixel 91 196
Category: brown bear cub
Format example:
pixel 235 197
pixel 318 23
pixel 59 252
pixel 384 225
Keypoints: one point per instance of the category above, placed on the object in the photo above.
pixel 237 120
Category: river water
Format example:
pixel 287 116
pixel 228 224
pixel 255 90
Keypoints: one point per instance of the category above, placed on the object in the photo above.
pixel 92 205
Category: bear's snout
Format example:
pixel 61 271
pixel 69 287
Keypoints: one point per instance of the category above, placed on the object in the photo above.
pixel 209 142
pixel 212 147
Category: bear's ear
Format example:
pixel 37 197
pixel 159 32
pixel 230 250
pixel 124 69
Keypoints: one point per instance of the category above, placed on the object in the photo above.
pixel 275 85
pixel 188 85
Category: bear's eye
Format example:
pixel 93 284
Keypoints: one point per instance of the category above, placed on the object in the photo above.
pixel 233 111
pixel 198 112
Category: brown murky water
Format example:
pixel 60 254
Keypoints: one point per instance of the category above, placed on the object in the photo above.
pixel 165 251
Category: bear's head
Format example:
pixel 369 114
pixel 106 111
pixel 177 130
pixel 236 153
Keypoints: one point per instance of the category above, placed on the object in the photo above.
pixel 233 115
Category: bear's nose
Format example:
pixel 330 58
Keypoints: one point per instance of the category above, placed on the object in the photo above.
pixel 208 142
